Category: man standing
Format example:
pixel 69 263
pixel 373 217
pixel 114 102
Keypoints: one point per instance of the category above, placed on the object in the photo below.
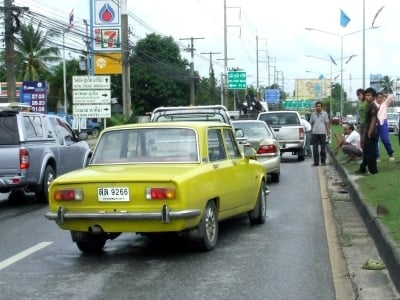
pixel 362 109
pixel 370 135
pixel 320 129
pixel 383 102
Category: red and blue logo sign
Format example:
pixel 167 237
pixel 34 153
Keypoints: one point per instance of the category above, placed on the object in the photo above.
pixel 106 13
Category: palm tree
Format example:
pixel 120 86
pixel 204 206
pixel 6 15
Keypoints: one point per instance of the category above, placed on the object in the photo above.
pixel 387 85
pixel 32 53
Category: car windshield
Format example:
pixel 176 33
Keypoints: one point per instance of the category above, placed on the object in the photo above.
pixel 280 118
pixel 254 130
pixel 149 145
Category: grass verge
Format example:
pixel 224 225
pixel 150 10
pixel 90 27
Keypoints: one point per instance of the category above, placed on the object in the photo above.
pixel 380 190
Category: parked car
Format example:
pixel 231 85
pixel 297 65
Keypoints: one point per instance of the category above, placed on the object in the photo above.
pixel 335 120
pixel 93 126
pixel 262 138
pixel 34 149
pixel 173 177
pixel 393 122
pixel 351 120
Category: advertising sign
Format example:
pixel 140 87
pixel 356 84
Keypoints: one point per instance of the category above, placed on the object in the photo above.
pixel 107 63
pixel 4 88
pixel 34 93
pixel 313 88
pixel 106 13
pixel 107 39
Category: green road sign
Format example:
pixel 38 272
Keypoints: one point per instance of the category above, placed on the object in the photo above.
pixel 297 104
pixel 237 80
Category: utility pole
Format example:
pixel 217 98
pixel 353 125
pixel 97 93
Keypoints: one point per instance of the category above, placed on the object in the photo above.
pixel 258 61
pixel 87 43
pixel 191 49
pixel 224 82
pixel 212 79
pixel 210 71
pixel 225 78
pixel 126 82
pixel 9 20
pixel 257 73
pixel 226 54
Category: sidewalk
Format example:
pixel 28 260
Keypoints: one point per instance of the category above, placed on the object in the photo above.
pixel 369 241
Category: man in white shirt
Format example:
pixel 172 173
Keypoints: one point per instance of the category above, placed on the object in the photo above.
pixel 307 129
pixel 350 143
pixel 383 102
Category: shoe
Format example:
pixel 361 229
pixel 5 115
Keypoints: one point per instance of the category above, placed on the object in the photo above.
pixel 314 165
pixel 391 158
pixel 324 163
pixel 366 174
pixel 358 172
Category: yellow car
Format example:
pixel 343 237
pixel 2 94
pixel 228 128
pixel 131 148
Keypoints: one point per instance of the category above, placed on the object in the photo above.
pixel 181 177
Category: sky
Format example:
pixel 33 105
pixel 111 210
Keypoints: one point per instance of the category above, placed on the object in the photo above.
pixel 279 27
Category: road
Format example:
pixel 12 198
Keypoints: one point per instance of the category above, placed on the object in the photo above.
pixel 286 258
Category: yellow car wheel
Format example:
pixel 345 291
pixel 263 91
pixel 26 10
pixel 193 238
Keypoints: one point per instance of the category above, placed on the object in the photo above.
pixel 259 214
pixel 209 227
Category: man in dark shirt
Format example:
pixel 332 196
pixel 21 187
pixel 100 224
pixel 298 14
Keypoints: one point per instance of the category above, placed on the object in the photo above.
pixel 370 139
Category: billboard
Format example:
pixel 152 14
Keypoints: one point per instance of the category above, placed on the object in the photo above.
pixel 313 88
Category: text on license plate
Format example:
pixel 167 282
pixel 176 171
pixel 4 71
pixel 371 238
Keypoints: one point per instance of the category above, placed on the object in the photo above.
pixel 113 194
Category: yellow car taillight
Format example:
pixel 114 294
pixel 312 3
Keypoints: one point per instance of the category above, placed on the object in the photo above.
pixel 160 193
pixel 68 195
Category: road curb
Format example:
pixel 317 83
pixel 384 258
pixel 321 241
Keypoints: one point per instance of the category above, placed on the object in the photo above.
pixel 386 246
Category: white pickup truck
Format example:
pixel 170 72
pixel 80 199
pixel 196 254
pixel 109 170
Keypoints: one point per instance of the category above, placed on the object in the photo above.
pixel 288 130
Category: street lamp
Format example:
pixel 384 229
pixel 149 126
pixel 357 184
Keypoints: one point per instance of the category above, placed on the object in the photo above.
pixel 341 58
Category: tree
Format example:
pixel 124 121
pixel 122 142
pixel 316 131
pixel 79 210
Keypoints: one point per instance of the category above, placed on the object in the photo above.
pixel 207 92
pixel 159 76
pixel 56 83
pixel 32 55
pixel 387 85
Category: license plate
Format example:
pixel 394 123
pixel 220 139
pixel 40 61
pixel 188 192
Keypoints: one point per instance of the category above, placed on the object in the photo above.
pixel 105 194
pixel 280 137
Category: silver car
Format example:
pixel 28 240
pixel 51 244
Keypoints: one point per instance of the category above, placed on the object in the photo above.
pixel 393 122
pixel 260 136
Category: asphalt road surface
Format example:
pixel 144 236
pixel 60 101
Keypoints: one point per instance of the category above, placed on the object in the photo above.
pixel 286 258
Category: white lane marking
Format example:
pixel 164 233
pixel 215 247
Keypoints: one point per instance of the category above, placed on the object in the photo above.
pixel 13 259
